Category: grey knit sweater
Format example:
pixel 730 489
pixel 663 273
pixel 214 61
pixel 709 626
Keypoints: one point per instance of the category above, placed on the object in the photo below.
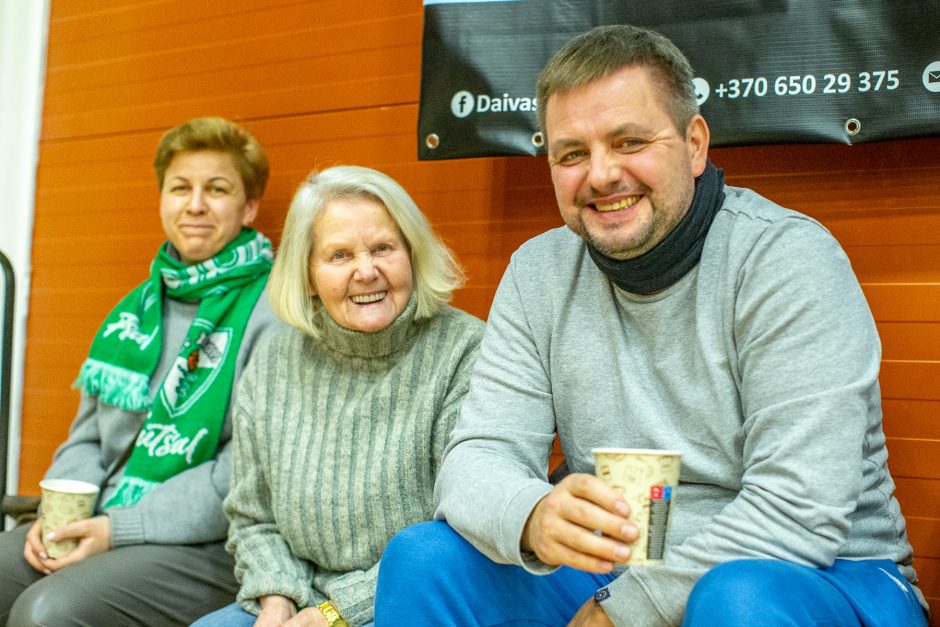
pixel 337 444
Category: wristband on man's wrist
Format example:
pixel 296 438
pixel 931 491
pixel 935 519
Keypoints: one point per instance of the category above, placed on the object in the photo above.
pixel 333 618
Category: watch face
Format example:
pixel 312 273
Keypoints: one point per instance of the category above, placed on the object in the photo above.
pixel 601 595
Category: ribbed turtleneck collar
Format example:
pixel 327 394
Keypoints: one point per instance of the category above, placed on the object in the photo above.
pixel 382 343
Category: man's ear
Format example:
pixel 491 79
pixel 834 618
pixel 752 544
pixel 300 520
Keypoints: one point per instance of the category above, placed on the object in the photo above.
pixel 697 137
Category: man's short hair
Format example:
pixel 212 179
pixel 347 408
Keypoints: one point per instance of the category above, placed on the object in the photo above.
pixel 604 50
pixel 217 135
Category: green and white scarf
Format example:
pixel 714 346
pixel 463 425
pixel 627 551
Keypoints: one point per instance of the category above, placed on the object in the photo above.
pixel 184 422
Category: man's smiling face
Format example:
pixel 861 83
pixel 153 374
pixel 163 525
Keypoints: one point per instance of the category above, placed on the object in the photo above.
pixel 624 176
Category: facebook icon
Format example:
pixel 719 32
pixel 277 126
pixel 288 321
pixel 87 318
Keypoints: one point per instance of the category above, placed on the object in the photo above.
pixel 462 104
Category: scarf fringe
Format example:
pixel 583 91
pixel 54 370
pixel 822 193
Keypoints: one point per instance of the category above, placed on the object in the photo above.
pixel 114 385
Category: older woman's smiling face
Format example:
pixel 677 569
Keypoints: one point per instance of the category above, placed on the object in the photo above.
pixel 360 266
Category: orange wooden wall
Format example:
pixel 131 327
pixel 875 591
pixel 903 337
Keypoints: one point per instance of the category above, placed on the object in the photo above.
pixel 336 81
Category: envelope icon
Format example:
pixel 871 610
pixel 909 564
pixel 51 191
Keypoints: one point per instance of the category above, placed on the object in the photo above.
pixel 933 77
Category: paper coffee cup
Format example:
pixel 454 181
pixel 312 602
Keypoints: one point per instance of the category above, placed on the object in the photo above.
pixel 64 501
pixel 648 480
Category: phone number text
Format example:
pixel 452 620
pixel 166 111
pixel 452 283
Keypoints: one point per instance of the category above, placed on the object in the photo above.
pixel 806 84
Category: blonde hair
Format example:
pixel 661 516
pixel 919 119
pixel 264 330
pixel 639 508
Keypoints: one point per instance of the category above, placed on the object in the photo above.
pixel 218 135
pixel 436 272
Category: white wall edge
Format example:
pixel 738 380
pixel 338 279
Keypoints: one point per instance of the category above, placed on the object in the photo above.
pixel 24 27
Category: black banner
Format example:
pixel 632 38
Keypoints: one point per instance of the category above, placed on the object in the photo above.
pixel 767 71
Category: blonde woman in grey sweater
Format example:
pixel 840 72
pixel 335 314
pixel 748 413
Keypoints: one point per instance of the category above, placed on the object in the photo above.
pixel 340 423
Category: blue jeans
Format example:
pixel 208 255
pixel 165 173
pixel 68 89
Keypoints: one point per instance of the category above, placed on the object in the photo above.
pixel 870 593
pixel 230 616
pixel 432 576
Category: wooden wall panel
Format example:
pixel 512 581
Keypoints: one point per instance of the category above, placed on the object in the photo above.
pixel 272 60
pixel 336 81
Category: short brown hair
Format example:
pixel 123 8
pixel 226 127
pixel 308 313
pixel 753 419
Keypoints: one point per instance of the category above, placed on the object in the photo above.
pixel 219 135
pixel 606 49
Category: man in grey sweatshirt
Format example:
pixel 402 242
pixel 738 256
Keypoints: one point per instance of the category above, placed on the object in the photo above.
pixel 673 312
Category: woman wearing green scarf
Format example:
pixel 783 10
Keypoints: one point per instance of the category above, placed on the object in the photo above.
pixel 153 428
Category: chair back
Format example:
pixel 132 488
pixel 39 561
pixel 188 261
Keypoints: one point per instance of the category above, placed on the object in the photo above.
pixel 7 293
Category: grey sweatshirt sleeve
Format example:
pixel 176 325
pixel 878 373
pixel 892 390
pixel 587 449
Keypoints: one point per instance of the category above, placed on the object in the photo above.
pixel 185 509
pixel 80 456
pixel 495 467
pixel 808 359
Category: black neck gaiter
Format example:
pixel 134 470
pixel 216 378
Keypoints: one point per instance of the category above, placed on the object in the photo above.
pixel 670 260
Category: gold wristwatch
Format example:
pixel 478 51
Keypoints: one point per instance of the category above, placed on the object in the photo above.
pixel 333 619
